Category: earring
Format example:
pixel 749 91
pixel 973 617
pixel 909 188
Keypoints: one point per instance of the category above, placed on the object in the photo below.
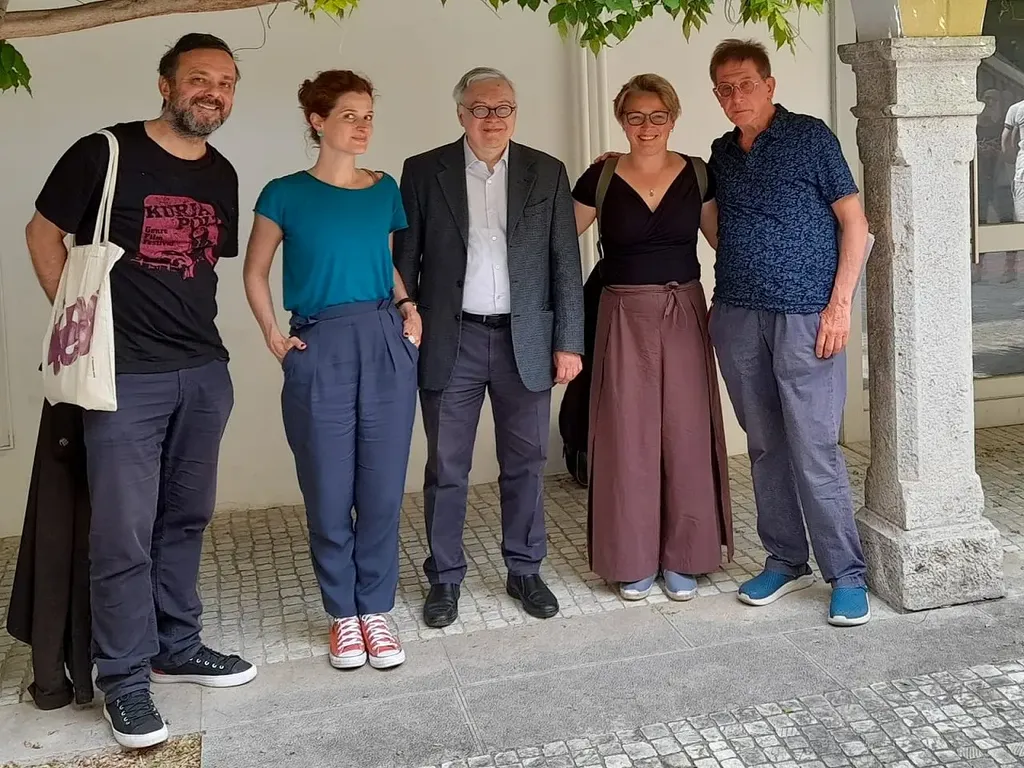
pixel 320 133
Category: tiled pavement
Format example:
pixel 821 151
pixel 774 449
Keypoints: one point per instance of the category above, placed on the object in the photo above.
pixel 972 718
pixel 262 600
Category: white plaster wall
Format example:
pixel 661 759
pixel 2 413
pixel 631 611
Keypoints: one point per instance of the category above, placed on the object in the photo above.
pixel 413 56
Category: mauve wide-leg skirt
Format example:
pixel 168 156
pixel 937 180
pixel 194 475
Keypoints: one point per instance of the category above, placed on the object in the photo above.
pixel 659 483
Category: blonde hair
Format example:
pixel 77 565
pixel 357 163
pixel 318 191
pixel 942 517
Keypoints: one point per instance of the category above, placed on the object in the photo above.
pixel 648 83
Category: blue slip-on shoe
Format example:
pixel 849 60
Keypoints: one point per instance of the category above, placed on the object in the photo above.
pixel 638 590
pixel 679 586
pixel 769 586
pixel 849 607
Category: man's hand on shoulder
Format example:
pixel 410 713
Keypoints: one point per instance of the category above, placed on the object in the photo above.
pixel 833 330
pixel 567 367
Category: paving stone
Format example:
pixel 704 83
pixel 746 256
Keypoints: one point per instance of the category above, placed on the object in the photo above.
pixel 856 739
pixel 262 601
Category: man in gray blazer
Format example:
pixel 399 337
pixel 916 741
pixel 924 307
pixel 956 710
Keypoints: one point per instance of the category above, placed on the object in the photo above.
pixel 492 258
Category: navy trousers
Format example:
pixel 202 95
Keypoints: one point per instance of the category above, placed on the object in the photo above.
pixel 486 363
pixel 790 403
pixel 152 483
pixel 349 402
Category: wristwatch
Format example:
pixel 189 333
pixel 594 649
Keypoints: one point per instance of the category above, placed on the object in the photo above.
pixel 406 300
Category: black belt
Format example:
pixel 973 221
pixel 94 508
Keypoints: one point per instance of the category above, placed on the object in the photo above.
pixel 491 321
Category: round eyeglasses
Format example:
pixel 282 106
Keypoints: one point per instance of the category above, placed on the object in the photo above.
pixel 726 90
pixel 481 112
pixel 639 118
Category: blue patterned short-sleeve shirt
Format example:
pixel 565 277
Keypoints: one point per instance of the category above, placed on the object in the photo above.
pixel 778 238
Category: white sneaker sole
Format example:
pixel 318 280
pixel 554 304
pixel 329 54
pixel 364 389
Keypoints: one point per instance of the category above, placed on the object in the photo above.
pixel 208 681
pixel 635 594
pixel 136 741
pixel 843 621
pixel 348 662
pixel 681 597
pixel 801 582
pixel 387 662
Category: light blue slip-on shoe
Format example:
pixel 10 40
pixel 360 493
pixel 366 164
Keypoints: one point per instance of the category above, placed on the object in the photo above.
pixel 849 607
pixel 638 590
pixel 679 586
pixel 769 586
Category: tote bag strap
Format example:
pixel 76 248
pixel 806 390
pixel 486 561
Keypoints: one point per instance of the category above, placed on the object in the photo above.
pixel 101 232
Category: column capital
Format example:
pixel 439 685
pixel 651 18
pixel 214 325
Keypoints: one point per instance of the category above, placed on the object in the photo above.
pixel 895 50
pixel 917 76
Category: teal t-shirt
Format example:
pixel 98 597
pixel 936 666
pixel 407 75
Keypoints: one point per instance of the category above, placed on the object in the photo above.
pixel 335 248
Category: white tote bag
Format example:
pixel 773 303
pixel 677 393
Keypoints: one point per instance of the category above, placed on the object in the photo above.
pixel 78 349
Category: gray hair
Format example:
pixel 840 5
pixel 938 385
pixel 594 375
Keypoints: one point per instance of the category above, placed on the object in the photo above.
pixel 476 75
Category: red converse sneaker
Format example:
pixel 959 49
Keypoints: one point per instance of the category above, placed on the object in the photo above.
pixel 382 643
pixel 348 650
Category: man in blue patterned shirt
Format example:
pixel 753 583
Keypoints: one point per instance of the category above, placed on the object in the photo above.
pixel 790 246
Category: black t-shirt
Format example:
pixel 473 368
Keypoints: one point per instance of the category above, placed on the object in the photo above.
pixel 174 219
pixel 644 247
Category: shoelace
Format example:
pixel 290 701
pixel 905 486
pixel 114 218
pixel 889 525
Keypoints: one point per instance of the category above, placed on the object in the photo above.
pixel 207 657
pixel 136 706
pixel 349 632
pixel 378 634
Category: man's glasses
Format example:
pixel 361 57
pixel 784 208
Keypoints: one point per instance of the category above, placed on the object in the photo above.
pixel 726 90
pixel 660 117
pixel 481 112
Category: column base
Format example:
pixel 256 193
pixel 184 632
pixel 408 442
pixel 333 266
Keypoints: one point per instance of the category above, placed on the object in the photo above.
pixel 932 567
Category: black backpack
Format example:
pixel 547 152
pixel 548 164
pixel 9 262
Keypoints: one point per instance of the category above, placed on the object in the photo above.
pixel 574 412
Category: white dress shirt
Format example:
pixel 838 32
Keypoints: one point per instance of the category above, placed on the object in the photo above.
pixel 486 288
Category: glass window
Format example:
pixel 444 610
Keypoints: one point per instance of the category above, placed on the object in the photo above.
pixel 996 288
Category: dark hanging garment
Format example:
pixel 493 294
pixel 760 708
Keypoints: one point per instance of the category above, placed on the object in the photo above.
pixel 574 412
pixel 49 607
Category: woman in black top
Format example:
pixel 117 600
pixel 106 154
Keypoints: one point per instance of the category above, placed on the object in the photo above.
pixel 659 496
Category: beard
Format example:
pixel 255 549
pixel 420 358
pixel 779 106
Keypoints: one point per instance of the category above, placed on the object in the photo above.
pixel 191 120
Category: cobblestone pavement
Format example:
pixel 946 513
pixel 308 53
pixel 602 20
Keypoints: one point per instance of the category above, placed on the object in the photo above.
pixel 262 599
pixel 968 719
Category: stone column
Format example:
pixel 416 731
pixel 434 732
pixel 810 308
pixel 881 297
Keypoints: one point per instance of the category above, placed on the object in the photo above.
pixel 925 539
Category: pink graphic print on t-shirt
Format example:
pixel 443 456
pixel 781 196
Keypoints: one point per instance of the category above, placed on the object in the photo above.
pixel 178 233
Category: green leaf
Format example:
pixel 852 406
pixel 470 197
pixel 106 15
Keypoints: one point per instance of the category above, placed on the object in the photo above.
pixel 21 68
pixel 557 13
pixel 14 72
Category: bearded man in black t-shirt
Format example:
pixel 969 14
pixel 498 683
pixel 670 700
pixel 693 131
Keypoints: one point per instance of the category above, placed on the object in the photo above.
pixel 153 462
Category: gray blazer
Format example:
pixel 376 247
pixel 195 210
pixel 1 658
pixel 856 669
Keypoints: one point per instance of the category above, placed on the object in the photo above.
pixel 545 273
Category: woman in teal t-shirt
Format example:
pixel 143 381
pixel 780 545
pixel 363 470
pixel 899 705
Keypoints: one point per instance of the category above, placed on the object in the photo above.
pixel 349 361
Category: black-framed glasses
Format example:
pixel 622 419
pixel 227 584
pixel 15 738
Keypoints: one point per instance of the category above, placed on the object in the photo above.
pixel 482 112
pixel 726 90
pixel 660 117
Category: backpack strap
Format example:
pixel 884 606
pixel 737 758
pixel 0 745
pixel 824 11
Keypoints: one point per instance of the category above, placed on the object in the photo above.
pixel 701 169
pixel 607 171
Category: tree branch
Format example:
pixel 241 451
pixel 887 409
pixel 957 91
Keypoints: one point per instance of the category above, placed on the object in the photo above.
pixel 98 13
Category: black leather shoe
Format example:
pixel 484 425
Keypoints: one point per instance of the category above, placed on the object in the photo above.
pixel 534 594
pixel 442 606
